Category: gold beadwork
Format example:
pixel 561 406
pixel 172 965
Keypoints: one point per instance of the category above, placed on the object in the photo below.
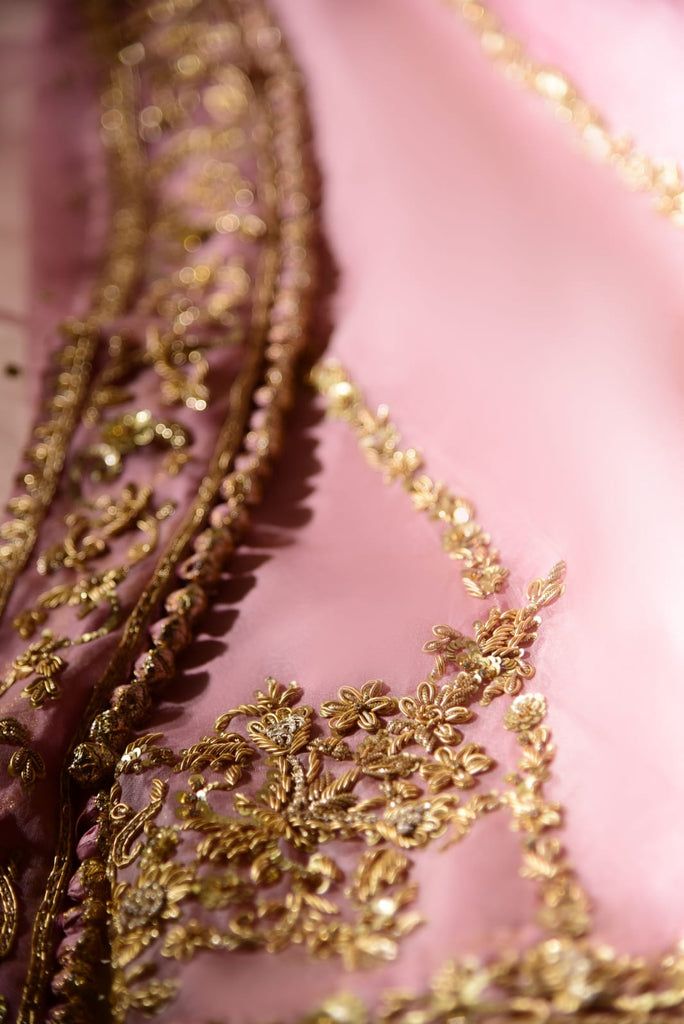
pixel 463 537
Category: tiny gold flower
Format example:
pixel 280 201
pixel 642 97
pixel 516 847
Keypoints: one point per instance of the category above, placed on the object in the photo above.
pixel 525 712
pixel 456 767
pixel 140 909
pixel 433 713
pixel 362 708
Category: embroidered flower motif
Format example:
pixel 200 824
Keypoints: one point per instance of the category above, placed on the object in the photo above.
pixel 40 659
pixel 378 757
pixel 416 822
pixel 154 898
pixel 362 709
pixel 284 731
pixel 454 650
pixel 525 712
pixel 455 767
pixel 433 713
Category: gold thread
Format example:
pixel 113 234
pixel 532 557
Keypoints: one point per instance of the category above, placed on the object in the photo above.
pixel 463 538
pixel 662 179
pixel 9 909
pixel 51 437
pixel 233 433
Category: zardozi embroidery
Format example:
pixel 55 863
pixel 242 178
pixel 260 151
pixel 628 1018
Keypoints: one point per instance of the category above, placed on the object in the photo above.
pixel 243 867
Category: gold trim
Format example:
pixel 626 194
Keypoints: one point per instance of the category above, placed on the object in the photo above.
pixel 661 179
pixel 9 910
pixel 280 346
pixel 463 538
pixel 51 437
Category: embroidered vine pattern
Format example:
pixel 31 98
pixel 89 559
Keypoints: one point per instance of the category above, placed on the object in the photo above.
pixel 463 538
pixel 90 531
pixel 243 869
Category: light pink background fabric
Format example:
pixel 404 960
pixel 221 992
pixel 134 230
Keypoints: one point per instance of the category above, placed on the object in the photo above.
pixel 521 313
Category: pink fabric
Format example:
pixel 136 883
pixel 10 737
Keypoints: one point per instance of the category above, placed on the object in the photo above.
pixel 520 312
pixel 69 206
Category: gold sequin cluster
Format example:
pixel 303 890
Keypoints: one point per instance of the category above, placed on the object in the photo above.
pixel 463 538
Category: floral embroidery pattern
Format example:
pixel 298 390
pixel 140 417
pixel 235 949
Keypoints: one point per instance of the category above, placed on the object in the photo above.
pixel 235 863
pixel 241 870
pixel 90 531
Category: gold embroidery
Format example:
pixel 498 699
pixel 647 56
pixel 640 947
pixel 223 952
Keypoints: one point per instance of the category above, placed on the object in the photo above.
pixel 463 537
pixel 564 975
pixel 554 981
pixel 280 310
pixel 182 369
pixel 9 910
pixel 92 527
pixel 543 985
pixel 662 179
pixel 104 459
pixel 262 870
pixel 47 452
pixel 260 859
pixel 40 660
pixel 89 533
pixel 24 764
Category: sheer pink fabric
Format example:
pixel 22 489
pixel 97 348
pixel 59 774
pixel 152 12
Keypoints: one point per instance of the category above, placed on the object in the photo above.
pixel 520 313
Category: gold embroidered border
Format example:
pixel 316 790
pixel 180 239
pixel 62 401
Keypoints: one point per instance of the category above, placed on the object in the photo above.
pixel 661 179
pixel 51 437
pixel 463 538
pixel 260 443
pixel 225 451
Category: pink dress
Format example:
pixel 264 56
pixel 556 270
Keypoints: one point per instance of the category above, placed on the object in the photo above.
pixel 484 830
